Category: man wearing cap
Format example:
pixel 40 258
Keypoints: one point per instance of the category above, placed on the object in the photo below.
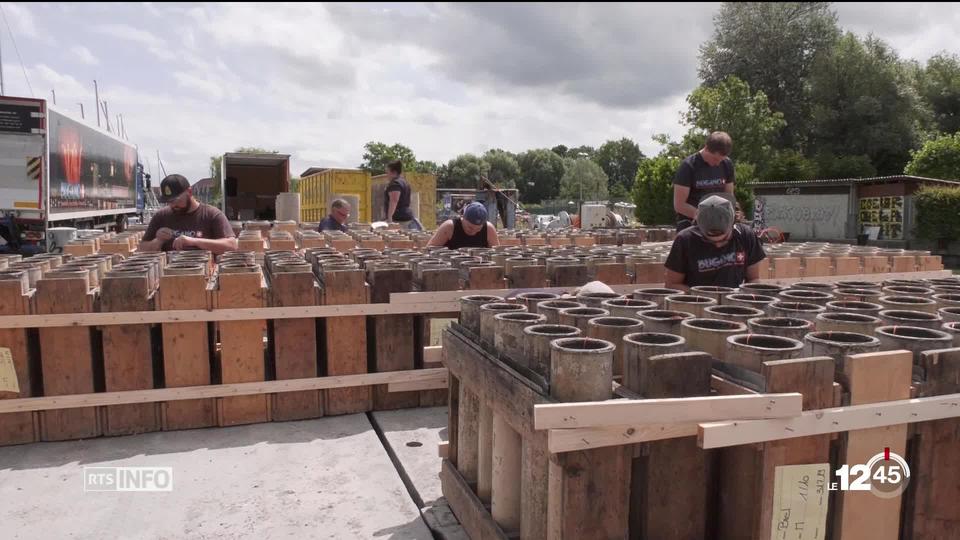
pixel 470 230
pixel 715 251
pixel 339 214
pixel 185 223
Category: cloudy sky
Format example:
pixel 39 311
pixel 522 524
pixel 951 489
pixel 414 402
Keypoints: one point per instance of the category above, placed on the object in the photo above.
pixel 318 80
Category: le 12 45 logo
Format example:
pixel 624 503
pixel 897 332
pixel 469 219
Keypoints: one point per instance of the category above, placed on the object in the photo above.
pixel 886 475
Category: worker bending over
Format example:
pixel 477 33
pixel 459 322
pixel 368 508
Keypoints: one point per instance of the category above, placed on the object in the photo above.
pixel 715 251
pixel 472 230
pixel 185 223
pixel 702 174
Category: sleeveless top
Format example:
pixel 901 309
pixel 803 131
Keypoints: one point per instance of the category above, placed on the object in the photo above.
pixel 461 239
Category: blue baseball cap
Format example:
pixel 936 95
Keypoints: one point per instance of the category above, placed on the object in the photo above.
pixel 475 213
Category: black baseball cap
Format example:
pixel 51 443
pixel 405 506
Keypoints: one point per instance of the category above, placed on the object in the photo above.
pixel 172 187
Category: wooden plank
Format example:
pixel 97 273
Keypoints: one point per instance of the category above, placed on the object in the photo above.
pixel 534 486
pixel 476 521
pixel 588 494
pixel 612 273
pixel 186 352
pixel 816 266
pixel 453 419
pixel 569 276
pixel 128 357
pixel 66 359
pixel 829 420
pixel 22 427
pixel 747 473
pixel 641 411
pixel 241 349
pixel 671 478
pixel 443 450
pixel 846 266
pixel 434 280
pixel 437 383
pixel 295 346
pixel 523 277
pixel 223 314
pixel 210 391
pixel 931 509
pixel 649 272
pixel 569 440
pixel 786 267
pixel 393 338
pixel 871 378
pixel 346 341
pixel 433 354
pixel 903 263
pixel 486 277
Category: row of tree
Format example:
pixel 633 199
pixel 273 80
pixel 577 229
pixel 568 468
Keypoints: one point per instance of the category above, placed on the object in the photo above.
pixel 580 173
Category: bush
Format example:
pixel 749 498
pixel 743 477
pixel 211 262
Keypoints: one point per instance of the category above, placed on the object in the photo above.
pixel 653 190
pixel 939 158
pixel 937 216
pixel 831 166
pixel 743 187
pixel 788 165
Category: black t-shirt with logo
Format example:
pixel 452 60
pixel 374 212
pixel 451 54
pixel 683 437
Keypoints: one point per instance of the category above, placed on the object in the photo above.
pixel 403 211
pixel 702 263
pixel 702 179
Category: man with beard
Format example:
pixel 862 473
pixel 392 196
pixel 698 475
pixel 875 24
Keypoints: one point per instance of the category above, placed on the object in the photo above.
pixel 185 223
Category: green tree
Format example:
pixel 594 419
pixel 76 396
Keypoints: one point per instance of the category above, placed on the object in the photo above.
pixel 730 106
pixel 937 216
pixel 653 190
pixel 831 166
pixel 377 155
pixel 772 46
pixel 540 171
pixel 560 150
pixel 579 152
pixel 504 171
pixel 743 188
pixel 939 158
pixel 619 160
pixel 428 167
pixel 463 171
pixel 939 86
pixel 862 104
pixel 789 165
pixel 583 180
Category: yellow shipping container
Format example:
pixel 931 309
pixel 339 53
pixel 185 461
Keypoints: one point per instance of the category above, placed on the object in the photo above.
pixel 318 190
pixel 423 187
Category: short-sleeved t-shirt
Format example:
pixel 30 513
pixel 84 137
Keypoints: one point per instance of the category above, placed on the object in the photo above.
pixel 702 179
pixel 204 222
pixel 403 212
pixel 702 263
pixel 330 224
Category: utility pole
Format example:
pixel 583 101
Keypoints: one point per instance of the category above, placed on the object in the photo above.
pixel 106 115
pixel 53 94
pixel 96 94
pixel 81 111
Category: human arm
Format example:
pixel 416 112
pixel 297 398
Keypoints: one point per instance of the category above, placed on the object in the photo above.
pixel 394 197
pixel 675 280
pixel 217 246
pixel 680 206
pixel 443 235
pixel 492 238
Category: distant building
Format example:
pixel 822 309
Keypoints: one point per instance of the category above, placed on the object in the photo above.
pixel 203 190
pixel 837 210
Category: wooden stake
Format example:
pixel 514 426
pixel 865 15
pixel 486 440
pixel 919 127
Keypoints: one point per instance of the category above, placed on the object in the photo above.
pixel 242 354
pixel 295 345
pixel 23 427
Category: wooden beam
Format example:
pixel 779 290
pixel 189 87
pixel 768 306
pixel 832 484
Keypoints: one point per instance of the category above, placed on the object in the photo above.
pixel 443 450
pixel 435 383
pixel 471 513
pixel 824 421
pixel 213 391
pixel 570 440
pixel 221 315
pixel 432 355
pixel 649 411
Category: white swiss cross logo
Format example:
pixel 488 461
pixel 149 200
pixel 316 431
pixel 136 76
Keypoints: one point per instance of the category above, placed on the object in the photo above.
pixel 741 257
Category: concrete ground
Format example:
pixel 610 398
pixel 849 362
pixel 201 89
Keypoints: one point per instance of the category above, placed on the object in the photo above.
pixel 324 478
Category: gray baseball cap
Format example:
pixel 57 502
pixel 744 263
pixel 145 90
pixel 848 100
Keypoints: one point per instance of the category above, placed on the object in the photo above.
pixel 715 214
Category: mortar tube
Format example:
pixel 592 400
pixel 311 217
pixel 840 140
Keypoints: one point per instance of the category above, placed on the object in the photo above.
pixel 531 299
pixel 811 297
pixel 853 306
pixel 905 317
pixel 788 327
pixel 626 307
pixel 952 328
pixel 663 321
pixel 913 303
pixel 639 347
pixel 537 344
pixel 581 369
pixel 690 303
pixel 551 309
pixel 613 329
pixel 799 310
pixel 913 339
pixel 838 345
pixel 757 301
pixel 509 337
pixel 710 335
pixel 710 291
pixel 857 323
pixel 488 325
pixel 657 295
pixel 752 350
pixel 470 310
pixel 950 314
pixel 579 316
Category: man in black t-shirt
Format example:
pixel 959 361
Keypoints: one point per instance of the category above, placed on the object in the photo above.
pixel 716 251
pixel 398 198
pixel 706 172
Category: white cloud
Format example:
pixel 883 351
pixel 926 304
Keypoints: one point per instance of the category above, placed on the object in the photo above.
pixel 20 19
pixel 152 43
pixel 84 56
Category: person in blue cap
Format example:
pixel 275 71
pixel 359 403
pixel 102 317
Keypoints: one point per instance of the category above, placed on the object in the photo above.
pixel 470 230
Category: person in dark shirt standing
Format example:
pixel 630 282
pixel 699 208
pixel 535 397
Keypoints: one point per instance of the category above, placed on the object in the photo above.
pixel 716 251
pixel 337 219
pixel 470 230
pixel 397 201
pixel 708 171
pixel 185 223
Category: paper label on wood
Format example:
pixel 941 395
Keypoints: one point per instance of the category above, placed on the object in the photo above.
pixel 8 373
pixel 436 329
pixel 800 497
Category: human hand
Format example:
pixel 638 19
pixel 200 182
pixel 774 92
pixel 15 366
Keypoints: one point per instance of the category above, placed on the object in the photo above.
pixel 183 242
pixel 165 233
